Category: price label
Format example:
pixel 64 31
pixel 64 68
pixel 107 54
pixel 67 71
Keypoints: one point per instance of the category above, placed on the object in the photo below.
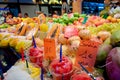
pixel 87 53
pixel 49 49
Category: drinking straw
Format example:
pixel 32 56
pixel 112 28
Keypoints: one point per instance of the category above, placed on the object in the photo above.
pixel 60 52
pixel 62 76
pixel 105 65
pixel 27 65
pixel 42 72
pixel 34 43
pixel 86 71
pixel 61 58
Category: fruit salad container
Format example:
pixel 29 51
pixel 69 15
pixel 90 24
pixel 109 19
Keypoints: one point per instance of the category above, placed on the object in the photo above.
pixel 61 70
pixel 82 75
pixel 36 56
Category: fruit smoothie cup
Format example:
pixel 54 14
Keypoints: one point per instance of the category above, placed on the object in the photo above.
pixel 81 75
pixel 61 70
pixel 36 56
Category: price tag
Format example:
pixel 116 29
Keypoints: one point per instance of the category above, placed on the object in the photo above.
pixel 87 53
pixel 49 49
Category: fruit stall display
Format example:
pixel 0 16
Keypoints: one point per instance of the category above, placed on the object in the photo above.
pixel 69 33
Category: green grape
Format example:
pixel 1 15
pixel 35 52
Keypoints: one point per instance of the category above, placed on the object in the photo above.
pixel 92 29
pixel 111 27
pixel 115 29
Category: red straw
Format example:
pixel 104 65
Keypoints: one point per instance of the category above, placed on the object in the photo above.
pixel 22 53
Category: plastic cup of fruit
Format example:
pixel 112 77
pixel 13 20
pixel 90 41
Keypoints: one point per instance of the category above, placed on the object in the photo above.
pixel 36 56
pixel 61 70
pixel 80 75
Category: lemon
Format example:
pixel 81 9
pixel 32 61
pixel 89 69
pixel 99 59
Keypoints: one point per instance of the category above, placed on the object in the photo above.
pixel 44 27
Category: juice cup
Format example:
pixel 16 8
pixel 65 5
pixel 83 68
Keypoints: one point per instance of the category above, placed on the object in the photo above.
pixel 80 75
pixel 61 70
pixel 36 60
pixel 64 76
pixel 36 56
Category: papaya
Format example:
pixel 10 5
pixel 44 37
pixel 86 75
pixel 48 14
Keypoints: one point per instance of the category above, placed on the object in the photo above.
pixel 32 32
pixel 23 30
pixel 57 32
pixel 42 18
pixel 17 28
pixel 54 31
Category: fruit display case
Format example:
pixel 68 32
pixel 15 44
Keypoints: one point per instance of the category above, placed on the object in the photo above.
pixel 66 34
